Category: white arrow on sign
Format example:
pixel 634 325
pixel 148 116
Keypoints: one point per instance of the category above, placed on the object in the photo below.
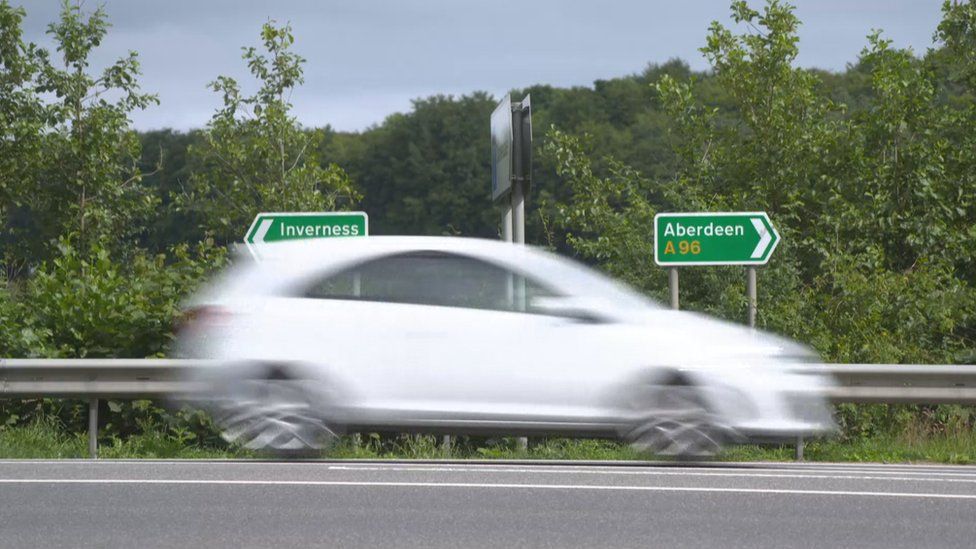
pixel 262 231
pixel 764 238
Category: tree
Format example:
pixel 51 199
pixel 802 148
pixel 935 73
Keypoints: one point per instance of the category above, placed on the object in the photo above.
pixel 957 33
pixel 427 172
pixel 69 139
pixel 256 156
pixel 21 125
pixel 875 205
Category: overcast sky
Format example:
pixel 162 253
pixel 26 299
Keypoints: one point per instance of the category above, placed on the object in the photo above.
pixel 368 58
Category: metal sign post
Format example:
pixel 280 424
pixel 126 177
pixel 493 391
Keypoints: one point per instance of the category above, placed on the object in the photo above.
pixel 511 163
pixel 511 173
pixel 521 163
pixel 751 294
pixel 673 286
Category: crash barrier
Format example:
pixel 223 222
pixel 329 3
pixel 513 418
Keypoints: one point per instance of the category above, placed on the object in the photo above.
pixel 123 378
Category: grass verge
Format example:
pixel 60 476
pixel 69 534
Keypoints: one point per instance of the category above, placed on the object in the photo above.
pixel 46 439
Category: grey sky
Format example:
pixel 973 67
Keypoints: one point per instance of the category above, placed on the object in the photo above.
pixel 369 58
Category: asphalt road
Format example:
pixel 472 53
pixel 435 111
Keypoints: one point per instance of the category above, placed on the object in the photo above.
pixel 462 504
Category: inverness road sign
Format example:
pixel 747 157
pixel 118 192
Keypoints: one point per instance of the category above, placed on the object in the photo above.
pixel 727 238
pixel 275 227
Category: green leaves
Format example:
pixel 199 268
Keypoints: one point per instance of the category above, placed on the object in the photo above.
pixel 92 305
pixel 608 217
pixel 70 168
pixel 957 32
pixel 875 201
pixel 256 156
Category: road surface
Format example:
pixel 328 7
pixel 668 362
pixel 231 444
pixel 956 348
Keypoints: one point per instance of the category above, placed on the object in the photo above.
pixel 462 504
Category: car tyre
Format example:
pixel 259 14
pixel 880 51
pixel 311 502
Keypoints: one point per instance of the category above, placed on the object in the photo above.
pixel 274 415
pixel 677 423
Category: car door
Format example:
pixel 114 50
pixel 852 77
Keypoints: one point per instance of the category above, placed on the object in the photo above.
pixel 436 337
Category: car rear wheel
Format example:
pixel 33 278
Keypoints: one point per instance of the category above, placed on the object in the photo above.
pixel 273 415
pixel 676 423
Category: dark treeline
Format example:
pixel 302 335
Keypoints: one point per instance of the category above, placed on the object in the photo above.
pixel 869 174
pixel 426 172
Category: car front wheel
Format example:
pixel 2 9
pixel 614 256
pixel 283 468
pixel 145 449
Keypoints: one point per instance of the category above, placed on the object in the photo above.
pixel 273 415
pixel 675 422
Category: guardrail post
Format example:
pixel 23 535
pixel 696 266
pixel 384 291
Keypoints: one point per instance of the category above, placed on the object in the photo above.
pixel 93 428
pixel 799 448
pixel 446 446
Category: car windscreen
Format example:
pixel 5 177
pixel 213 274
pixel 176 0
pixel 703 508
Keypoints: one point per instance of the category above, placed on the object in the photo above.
pixel 580 280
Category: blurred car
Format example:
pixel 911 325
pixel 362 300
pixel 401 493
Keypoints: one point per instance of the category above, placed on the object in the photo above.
pixel 470 336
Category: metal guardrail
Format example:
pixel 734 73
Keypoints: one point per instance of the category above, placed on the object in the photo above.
pixel 94 377
pixel 124 378
pixel 900 383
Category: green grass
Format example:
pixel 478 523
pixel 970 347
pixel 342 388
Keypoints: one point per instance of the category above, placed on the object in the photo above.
pixel 955 448
pixel 45 439
pixel 429 447
pixel 48 440
pixel 41 439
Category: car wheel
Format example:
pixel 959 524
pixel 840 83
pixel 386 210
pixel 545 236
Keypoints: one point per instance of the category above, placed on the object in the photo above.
pixel 273 415
pixel 676 423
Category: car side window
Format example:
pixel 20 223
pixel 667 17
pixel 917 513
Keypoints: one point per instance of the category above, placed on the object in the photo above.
pixel 431 278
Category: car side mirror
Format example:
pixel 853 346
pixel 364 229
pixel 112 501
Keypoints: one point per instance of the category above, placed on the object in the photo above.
pixel 578 308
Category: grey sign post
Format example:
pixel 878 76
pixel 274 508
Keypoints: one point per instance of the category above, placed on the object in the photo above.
pixel 511 173
pixel 511 163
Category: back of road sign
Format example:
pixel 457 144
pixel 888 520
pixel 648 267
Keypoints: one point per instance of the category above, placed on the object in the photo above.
pixel 501 148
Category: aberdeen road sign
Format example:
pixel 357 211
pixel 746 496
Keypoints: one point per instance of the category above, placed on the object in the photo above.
pixel 728 238
pixel 276 227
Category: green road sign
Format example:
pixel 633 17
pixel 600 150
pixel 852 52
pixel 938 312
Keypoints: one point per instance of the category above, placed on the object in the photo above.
pixel 727 238
pixel 276 227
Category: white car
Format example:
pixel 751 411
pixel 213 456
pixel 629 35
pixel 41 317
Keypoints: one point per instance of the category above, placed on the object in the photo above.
pixel 470 336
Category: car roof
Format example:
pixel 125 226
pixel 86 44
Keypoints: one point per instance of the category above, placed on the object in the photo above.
pixel 335 249
pixel 281 264
pixel 286 264
pixel 296 258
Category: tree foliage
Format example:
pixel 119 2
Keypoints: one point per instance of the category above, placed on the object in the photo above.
pixel 255 155
pixel 68 141
pixel 875 204
pixel 424 173
pixel 73 204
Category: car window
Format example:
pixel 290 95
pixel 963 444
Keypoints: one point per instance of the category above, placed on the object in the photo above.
pixel 432 278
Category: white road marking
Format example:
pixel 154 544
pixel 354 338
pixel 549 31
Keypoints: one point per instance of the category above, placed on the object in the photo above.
pixel 490 486
pixel 924 468
pixel 840 471
pixel 749 474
